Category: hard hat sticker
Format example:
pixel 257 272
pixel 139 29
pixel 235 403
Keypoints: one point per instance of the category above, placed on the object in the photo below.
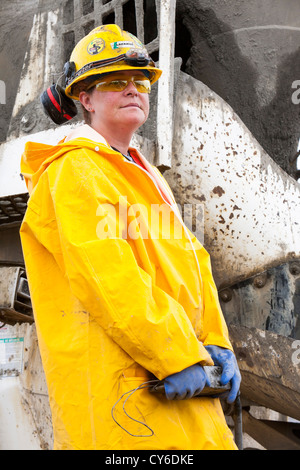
pixel 95 46
pixel 121 44
pixel 136 40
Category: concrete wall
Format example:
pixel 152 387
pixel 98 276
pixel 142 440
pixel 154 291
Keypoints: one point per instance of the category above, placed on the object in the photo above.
pixel 247 51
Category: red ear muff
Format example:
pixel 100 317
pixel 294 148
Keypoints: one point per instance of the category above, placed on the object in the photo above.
pixel 57 105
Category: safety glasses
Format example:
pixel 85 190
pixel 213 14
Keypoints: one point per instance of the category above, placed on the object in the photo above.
pixel 119 83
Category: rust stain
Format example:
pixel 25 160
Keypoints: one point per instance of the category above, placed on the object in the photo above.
pixel 219 191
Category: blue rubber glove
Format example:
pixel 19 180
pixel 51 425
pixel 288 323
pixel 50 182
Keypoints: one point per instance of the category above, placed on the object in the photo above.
pixel 186 384
pixel 230 370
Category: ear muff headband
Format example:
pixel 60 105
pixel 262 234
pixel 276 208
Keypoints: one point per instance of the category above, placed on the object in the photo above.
pixel 59 107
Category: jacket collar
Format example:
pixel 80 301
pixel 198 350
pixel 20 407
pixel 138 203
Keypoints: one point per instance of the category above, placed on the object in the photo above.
pixel 87 132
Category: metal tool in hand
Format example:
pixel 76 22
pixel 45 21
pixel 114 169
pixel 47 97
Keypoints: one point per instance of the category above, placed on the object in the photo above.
pixel 214 374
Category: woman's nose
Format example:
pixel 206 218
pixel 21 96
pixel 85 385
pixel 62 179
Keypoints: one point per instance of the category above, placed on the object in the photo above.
pixel 131 89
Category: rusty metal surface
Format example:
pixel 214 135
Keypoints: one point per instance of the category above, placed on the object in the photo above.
pixel 270 368
pixel 272 435
pixel 251 206
pixel 268 301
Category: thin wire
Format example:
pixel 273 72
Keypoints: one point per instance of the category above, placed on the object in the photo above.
pixel 59 77
pixel 130 393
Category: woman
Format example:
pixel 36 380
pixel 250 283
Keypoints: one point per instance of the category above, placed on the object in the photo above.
pixel 117 303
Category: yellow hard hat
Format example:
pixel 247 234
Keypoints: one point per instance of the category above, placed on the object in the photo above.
pixel 106 49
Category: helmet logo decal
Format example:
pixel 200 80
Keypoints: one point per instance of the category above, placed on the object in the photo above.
pixel 95 46
pixel 136 41
pixel 120 44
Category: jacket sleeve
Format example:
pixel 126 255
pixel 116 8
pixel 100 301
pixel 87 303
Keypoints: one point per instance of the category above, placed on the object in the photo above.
pixel 104 275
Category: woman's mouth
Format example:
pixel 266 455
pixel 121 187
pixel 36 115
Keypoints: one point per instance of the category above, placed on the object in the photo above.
pixel 135 105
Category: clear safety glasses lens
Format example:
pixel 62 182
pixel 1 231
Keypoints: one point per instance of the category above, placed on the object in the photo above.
pixel 119 84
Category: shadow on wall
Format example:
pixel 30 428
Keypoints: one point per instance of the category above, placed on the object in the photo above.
pixel 16 23
pixel 211 54
pixel 280 120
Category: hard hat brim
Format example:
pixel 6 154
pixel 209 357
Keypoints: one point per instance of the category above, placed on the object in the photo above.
pixel 70 90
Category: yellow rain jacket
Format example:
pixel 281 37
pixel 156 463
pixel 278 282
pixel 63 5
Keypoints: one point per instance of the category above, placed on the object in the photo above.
pixel 117 300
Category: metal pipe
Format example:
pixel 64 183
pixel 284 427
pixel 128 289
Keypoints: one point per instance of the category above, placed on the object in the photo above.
pixel 238 422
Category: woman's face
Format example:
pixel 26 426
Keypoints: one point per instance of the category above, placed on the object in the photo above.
pixel 127 109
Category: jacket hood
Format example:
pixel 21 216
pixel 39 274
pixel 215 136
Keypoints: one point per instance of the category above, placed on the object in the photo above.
pixel 37 156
